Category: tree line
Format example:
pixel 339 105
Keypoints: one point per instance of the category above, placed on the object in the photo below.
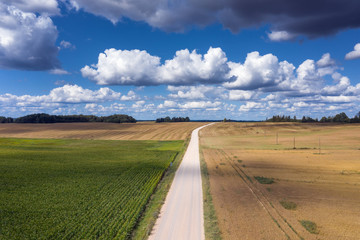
pixel 174 119
pixel 46 118
pixel 338 118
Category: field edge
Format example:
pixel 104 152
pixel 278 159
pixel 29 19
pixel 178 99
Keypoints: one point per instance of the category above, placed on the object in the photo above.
pixel 212 230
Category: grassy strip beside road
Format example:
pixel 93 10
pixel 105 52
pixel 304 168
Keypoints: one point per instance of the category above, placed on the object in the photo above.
pixel 78 189
pixel 212 231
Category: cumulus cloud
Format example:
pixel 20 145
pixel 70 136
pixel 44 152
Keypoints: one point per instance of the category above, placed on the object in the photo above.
pixel 259 72
pixel 307 17
pixel 27 41
pixel 65 94
pixel 194 76
pixel 124 67
pixel 135 67
pixel 353 54
pixel 131 96
pixel 342 84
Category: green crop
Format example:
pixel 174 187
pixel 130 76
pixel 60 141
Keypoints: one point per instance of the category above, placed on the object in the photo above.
pixel 77 189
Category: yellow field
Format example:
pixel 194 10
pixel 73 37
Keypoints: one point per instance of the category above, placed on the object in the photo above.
pixel 102 131
pixel 323 183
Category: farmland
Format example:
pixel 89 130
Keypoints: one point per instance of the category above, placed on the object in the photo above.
pixel 77 189
pixel 101 131
pixel 284 180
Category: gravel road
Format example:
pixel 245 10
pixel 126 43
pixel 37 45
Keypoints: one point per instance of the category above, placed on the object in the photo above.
pixel 181 216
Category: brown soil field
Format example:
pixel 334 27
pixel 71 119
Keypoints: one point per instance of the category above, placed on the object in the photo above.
pixel 323 183
pixel 102 131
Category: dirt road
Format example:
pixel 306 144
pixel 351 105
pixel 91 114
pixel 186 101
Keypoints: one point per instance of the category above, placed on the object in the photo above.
pixel 181 216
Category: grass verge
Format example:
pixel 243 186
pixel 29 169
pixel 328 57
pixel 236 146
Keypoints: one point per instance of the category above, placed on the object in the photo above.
pixel 152 210
pixel 212 231
pixel 310 226
pixel 264 180
pixel 288 205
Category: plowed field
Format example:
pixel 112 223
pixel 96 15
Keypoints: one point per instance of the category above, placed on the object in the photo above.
pixel 315 170
pixel 101 131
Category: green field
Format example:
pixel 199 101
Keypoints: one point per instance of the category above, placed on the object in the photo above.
pixel 77 189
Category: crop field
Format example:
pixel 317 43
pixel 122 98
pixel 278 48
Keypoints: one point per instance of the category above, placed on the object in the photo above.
pixel 77 189
pixel 101 131
pixel 284 180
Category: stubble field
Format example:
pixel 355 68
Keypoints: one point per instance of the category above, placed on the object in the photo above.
pixel 264 188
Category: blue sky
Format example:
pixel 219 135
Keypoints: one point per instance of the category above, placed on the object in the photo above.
pixel 202 59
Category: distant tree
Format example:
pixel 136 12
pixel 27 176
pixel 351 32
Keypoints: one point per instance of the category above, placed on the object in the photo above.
pixel 6 119
pixel 308 119
pixel 46 118
pixel 174 119
pixel 341 118
pixel 283 118
pixel 36 118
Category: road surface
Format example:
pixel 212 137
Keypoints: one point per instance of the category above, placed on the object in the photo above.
pixel 181 216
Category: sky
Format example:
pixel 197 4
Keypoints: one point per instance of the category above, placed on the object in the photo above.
pixel 206 59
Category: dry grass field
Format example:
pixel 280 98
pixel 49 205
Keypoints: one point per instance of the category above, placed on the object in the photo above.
pixel 306 186
pixel 101 131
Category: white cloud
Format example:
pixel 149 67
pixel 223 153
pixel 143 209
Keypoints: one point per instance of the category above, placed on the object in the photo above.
pixel 301 104
pixel 236 81
pixel 64 94
pixel 139 104
pixel 135 67
pixel 278 36
pixel 354 54
pixel 94 108
pixel 66 45
pixel 46 7
pixel 353 90
pixel 251 106
pixel 131 96
pixel 197 92
pixel 77 94
pixel 326 65
pixel 27 41
pixel 343 83
pixel 259 72
pixel 326 61
pixel 132 67
pixel 190 67
pixel 58 71
pixel 241 95
pixel 168 104
pixel 339 99
pixel 274 105
pixel 200 105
